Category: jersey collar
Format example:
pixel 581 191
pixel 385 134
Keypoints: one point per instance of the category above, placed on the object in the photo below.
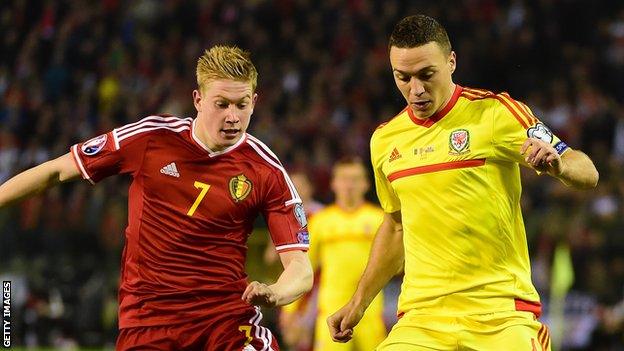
pixel 206 148
pixel 428 122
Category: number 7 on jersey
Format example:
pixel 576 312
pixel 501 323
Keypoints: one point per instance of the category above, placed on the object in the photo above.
pixel 204 189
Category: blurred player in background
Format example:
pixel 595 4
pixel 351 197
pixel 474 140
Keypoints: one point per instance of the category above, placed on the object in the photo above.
pixel 343 234
pixel 197 186
pixel 447 176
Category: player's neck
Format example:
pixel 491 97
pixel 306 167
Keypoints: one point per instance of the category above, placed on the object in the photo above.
pixel 349 205
pixel 202 135
pixel 447 99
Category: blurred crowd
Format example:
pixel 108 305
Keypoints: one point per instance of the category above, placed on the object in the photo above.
pixel 72 69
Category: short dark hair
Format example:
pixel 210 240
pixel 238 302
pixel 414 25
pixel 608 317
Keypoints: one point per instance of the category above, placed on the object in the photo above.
pixel 417 30
pixel 349 160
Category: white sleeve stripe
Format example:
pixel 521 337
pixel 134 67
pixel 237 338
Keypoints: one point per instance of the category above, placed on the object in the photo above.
pixel 293 201
pixel 293 192
pixel 153 118
pixel 266 149
pixel 138 131
pixel 122 132
pixel 115 139
pixel 83 171
pixel 292 246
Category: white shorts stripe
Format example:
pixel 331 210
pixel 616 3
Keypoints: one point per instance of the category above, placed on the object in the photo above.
pixel 83 171
pixel 291 187
pixel 260 332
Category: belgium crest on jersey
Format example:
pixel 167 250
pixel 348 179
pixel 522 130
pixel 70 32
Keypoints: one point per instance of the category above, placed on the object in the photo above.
pixel 459 142
pixel 240 187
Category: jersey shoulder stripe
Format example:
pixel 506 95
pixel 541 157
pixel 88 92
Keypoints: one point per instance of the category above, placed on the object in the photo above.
pixel 265 148
pixel 517 109
pixel 391 119
pixel 476 94
pixel 150 123
pixel 269 157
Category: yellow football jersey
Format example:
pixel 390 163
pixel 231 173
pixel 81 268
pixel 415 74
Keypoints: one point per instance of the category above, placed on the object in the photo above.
pixel 340 247
pixel 455 178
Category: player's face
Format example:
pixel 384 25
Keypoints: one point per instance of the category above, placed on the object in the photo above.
pixel 349 182
pixel 423 75
pixel 224 108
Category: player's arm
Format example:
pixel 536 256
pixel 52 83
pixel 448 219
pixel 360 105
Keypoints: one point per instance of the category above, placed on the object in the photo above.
pixel 385 261
pixel 38 179
pixel 573 167
pixel 295 280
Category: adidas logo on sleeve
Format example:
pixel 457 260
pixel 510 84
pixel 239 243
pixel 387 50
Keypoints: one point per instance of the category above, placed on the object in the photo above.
pixel 170 170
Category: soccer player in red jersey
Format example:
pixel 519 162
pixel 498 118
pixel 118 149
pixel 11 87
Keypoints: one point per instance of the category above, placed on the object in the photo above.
pixel 198 184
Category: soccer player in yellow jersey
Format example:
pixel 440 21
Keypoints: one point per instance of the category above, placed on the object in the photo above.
pixel 447 176
pixel 343 234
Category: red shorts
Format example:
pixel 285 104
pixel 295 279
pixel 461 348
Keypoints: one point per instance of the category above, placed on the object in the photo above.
pixel 228 332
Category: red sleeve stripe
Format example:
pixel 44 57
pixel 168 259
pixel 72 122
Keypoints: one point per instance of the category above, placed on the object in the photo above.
pixel 507 104
pixel 291 247
pixel 78 162
pixel 524 111
pixel 527 110
pixel 291 187
pixel 479 92
pixel 471 96
pixel 522 114
pixel 150 123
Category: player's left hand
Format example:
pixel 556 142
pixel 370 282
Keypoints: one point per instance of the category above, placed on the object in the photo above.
pixel 542 156
pixel 259 294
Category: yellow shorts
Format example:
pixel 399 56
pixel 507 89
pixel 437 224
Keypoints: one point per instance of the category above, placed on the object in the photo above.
pixel 366 336
pixel 509 331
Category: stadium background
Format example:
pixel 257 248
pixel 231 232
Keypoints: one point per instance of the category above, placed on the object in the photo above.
pixel 72 69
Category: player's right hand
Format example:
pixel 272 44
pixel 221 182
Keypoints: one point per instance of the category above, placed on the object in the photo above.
pixel 342 322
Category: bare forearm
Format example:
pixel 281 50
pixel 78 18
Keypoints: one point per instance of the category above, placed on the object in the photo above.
pixel 37 179
pixel 385 261
pixel 578 170
pixel 295 280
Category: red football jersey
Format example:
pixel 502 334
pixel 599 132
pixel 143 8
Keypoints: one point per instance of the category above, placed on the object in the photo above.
pixel 190 212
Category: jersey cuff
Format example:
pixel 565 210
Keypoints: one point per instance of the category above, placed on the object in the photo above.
pixel 79 165
pixel 292 247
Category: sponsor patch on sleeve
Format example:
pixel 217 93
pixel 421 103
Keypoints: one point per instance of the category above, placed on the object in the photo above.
pixel 541 132
pixel 93 146
pixel 303 237
pixel 300 215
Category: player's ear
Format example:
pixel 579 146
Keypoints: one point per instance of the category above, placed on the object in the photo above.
pixel 254 99
pixel 452 61
pixel 197 99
